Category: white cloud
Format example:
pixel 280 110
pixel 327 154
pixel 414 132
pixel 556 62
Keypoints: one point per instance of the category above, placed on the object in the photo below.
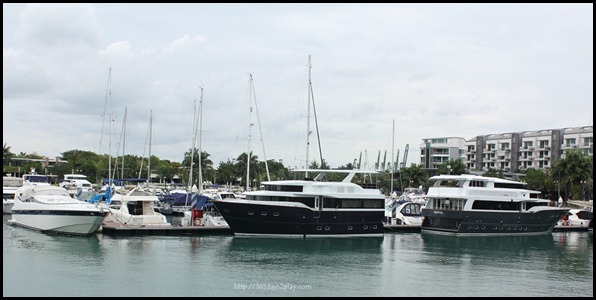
pixel 437 69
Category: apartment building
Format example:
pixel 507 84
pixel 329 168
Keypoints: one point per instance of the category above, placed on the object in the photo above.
pixel 509 152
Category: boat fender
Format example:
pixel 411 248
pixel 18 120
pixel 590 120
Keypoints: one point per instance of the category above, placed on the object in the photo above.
pixel 198 222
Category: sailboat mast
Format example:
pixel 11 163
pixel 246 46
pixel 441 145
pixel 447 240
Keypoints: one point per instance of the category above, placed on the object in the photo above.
pixel 392 156
pixel 150 135
pixel 254 95
pixel 123 140
pixel 248 154
pixel 200 142
pixel 308 131
pixel 192 148
pixel 110 127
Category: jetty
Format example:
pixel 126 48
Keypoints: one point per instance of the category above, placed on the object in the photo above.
pixel 402 228
pixel 118 229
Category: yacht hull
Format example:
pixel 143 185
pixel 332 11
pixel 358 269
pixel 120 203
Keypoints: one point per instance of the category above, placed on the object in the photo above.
pixel 246 219
pixel 57 221
pixel 447 222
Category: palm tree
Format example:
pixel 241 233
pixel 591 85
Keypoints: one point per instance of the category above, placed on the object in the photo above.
pixel 254 168
pixel 7 155
pixel 454 167
pixel 206 164
pixel 414 175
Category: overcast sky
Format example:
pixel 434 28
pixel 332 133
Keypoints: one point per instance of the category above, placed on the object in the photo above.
pixel 438 70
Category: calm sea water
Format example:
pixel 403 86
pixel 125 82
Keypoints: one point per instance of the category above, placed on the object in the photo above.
pixel 398 264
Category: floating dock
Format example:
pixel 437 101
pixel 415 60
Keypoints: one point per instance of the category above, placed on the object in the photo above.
pixel 567 228
pixel 115 228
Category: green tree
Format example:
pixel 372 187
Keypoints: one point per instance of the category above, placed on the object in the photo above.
pixel 535 180
pixel 7 155
pixel 254 169
pixel 453 167
pixel 572 172
pixel 206 165
pixel 494 173
pixel 414 176
pixel 227 174
pixel 277 171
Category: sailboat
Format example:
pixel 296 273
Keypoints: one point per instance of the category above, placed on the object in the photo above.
pixel 198 213
pixel 309 207
pixel 253 99
pixel 127 208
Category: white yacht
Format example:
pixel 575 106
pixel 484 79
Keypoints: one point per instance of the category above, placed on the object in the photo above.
pixel 78 186
pixel 51 209
pixel 476 205
pixel 9 189
pixel 135 208
pixel 202 211
pixel 35 179
pixel 404 212
pixel 576 219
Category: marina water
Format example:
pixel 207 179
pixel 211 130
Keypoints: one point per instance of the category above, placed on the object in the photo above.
pixel 398 264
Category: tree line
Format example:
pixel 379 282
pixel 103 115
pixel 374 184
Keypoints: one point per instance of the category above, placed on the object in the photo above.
pixel 570 176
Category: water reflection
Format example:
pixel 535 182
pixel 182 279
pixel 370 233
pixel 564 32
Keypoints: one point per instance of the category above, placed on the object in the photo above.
pixel 496 244
pixel 313 252
pixel 567 253
pixel 325 265
pixel 35 241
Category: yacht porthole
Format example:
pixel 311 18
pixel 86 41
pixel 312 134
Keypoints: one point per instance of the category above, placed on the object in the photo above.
pixel 250 213
pixel 263 213
pixel 501 228
pixel 476 227
pixel 349 227
pixel 483 227
pixel 525 228
pixel 495 227
pixel 319 227
pixel 365 226
pixel 469 226
pixel 374 226
pixel 327 227
pixel 276 214
pixel 508 228
pixel 514 228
